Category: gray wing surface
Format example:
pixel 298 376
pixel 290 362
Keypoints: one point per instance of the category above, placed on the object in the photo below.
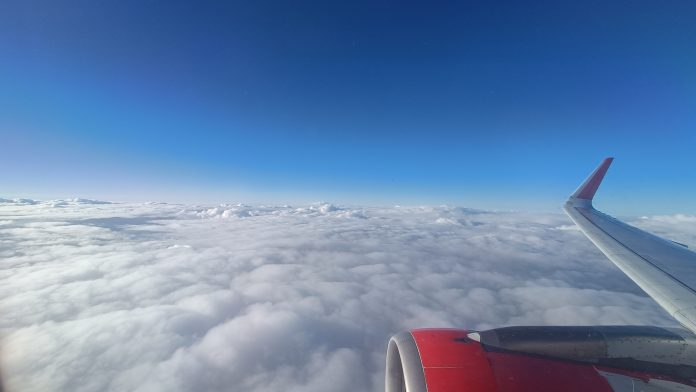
pixel 665 270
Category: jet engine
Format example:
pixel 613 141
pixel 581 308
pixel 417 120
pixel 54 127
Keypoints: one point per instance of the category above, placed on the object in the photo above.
pixel 594 358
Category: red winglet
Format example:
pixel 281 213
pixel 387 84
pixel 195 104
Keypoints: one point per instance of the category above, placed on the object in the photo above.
pixel 588 188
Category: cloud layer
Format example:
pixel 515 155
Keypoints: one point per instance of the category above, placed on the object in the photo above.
pixel 160 297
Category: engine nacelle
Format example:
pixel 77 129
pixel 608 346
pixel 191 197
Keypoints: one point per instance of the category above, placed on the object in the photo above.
pixel 437 360
pixel 541 359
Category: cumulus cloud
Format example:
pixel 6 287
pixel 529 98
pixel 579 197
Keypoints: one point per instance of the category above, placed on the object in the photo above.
pixel 168 297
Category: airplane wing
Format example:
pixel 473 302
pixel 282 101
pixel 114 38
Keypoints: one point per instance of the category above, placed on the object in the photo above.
pixel 664 269
pixel 624 358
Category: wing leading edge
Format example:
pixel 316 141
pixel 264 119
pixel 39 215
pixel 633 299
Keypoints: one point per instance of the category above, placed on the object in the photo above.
pixel 665 270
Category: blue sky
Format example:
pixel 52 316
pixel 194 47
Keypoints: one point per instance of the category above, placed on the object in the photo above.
pixel 486 104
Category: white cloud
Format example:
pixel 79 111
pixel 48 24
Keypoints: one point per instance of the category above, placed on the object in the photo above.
pixel 167 297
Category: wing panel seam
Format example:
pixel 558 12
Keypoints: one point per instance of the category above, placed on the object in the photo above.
pixel 632 251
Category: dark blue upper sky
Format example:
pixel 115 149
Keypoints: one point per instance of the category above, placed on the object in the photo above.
pixel 485 104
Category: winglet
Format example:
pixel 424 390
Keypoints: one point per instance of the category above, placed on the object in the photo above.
pixel 587 190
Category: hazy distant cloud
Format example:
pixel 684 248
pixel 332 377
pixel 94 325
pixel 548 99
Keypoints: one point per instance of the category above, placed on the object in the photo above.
pixel 180 298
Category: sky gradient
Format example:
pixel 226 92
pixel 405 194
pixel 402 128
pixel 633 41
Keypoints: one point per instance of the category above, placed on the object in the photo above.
pixel 484 104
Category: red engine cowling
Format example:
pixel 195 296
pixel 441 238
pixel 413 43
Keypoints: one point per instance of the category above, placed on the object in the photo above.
pixel 439 360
